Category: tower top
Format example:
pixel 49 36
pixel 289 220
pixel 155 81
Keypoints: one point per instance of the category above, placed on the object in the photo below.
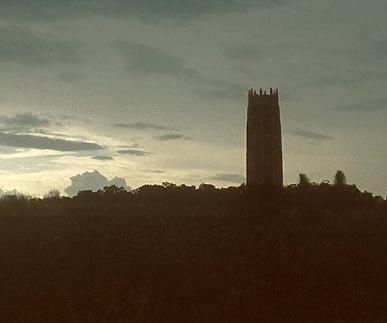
pixel 263 92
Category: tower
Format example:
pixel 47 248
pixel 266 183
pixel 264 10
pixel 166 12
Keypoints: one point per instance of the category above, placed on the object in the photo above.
pixel 264 144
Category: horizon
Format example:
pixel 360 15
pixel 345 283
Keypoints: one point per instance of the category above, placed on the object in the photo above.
pixel 158 94
pixel 91 181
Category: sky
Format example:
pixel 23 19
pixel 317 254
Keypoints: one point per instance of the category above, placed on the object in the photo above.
pixel 156 90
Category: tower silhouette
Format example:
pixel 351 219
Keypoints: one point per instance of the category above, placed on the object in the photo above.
pixel 264 143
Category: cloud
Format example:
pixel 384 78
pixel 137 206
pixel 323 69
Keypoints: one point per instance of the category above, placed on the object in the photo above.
pixel 145 9
pixel 102 158
pixel 310 135
pixel 346 77
pixel 153 171
pixel 40 142
pixel 223 93
pixel 146 60
pixel 221 89
pixel 25 120
pixel 8 151
pixel 56 134
pixel 134 152
pixel 370 106
pixel 119 182
pixel 171 136
pixel 372 45
pixel 141 126
pixel 233 178
pixel 335 80
pixel 20 45
pixel 3 96
pixel 92 181
pixel 69 77
pixel 135 145
pixel 241 52
pixel 149 60
pixel 29 162
pixel 66 117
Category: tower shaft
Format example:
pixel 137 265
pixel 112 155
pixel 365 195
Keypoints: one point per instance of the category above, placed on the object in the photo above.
pixel 264 143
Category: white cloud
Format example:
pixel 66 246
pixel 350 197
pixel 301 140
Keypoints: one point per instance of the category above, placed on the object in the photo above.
pixel 93 181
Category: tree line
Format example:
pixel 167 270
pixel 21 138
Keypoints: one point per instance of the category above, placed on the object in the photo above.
pixel 338 194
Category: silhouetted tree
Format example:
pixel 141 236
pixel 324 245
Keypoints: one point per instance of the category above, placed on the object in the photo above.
pixel 169 185
pixel 113 190
pixel 173 249
pixel 85 194
pixel 209 188
pixel 340 178
pixel 52 194
pixel 304 180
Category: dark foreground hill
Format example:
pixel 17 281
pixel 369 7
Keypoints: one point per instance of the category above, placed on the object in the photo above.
pixel 182 255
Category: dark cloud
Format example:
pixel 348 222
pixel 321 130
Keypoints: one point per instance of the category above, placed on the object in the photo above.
pixel 135 145
pixel 347 77
pixel 134 152
pixel 153 171
pixel 232 178
pixel 102 157
pixel 335 80
pixel 66 117
pixel 310 135
pixel 241 52
pixel 224 92
pixel 145 9
pixel 25 120
pixel 142 126
pixel 39 142
pixel 221 89
pixel 69 77
pixel 372 45
pixel 149 60
pixel 21 45
pixel 93 181
pixel 3 96
pixel 171 136
pixel 57 134
pixel 370 106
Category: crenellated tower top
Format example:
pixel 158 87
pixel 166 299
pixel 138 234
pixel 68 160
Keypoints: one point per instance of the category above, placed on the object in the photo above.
pixel 262 92
pixel 263 95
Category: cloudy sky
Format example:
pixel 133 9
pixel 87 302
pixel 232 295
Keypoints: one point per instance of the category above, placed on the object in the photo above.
pixel 155 90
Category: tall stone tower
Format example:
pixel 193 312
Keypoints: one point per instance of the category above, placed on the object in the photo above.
pixel 264 144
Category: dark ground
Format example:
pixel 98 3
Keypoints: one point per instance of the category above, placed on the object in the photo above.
pixel 209 258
